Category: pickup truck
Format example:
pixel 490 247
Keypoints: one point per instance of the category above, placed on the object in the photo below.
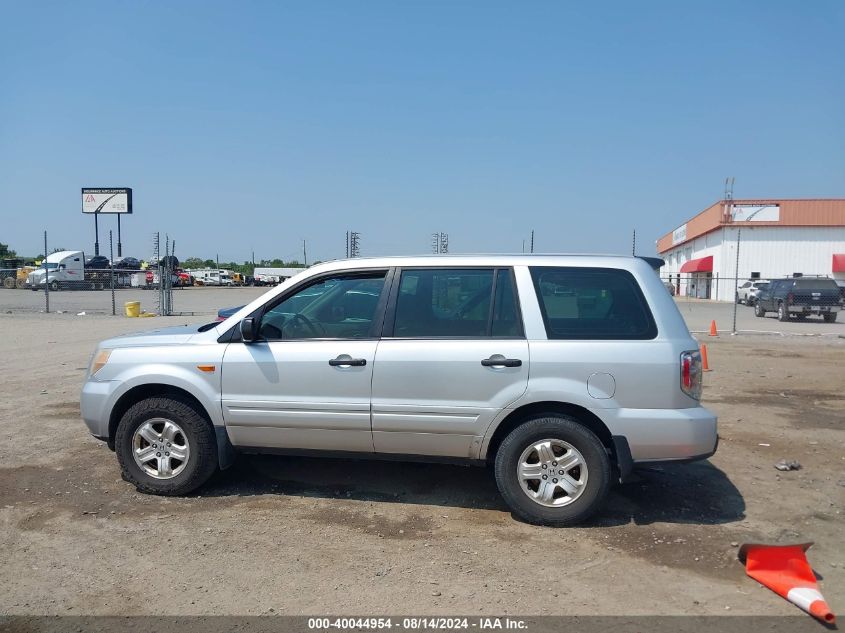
pixel 800 297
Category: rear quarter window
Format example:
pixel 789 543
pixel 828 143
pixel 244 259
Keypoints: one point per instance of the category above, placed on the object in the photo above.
pixel 815 284
pixel 592 303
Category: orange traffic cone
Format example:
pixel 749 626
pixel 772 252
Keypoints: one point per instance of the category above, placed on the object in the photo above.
pixel 713 331
pixel 704 365
pixel 784 569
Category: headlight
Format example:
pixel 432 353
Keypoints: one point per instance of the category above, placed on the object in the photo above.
pixel 99 361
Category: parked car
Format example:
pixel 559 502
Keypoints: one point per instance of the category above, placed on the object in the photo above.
pixel 225 313
pixel 747 292
pixel 800 297
pixel 561 372
pixel 128 263
pixel 670 287
pixel 98 262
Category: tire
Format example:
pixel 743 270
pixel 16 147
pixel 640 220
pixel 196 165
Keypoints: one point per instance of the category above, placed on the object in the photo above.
pixel 194 431
pixel 9 283
pixel 54 286
pixel 830 317
pixel 758 310
pixel 783 313
pixel 595 472
pixel 20 284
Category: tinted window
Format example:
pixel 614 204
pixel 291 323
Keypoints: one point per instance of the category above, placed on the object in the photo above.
pixel 443 302
pixel 337 307
pixel 815 284
pixel 592 303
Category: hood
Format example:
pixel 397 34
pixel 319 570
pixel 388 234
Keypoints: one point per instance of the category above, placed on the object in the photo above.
pixel 177 335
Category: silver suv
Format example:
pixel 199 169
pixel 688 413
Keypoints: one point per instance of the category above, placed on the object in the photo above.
pixel 562 372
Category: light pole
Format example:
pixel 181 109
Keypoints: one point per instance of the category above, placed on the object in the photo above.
pixel 736 270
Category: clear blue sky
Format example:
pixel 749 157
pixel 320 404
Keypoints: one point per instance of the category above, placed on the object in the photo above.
pixel 253 125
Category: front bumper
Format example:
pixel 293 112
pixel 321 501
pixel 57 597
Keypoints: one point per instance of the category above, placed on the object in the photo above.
pixel 94 403
pixel 664 434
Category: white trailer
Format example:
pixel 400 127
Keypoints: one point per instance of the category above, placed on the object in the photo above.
pixel 274 276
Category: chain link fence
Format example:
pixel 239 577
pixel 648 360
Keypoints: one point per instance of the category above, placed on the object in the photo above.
pixel 743 304
pixel 67 281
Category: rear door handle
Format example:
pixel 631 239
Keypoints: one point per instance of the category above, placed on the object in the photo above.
pixel 345 360
pixel 497 360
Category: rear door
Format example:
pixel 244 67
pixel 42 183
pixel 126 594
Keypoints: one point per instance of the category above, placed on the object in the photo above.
pixel 306 383
pixel 452 356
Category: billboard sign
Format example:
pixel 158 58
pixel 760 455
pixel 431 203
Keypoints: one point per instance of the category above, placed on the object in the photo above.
pixel 115 200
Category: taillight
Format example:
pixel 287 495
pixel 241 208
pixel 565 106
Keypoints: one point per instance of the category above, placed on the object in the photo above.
pixel 790 298
pixel 691 374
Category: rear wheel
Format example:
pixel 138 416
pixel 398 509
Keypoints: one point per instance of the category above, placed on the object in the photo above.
pixel 165 447
pixel 830 317
pixel 783 313
pixel 551 470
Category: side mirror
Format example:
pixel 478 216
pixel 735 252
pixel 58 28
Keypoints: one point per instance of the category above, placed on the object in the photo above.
pixel 248 330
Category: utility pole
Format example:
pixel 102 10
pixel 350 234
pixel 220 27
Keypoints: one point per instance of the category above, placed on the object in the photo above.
pixel 532 240
pixel 347 245
pixel 354 244
pixel 634 244
pixel 217 256
pixel 304 254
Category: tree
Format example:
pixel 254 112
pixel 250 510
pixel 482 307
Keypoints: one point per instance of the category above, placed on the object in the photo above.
pixel 193 263
pixel 6 252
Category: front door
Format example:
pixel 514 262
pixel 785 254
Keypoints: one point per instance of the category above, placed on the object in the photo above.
pixel 306 382
pixel 453 355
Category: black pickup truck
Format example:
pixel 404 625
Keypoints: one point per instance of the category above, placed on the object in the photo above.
pixel 800 297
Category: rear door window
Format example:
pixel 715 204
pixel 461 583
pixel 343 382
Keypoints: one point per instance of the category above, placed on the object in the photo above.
pixel 592 303
pixel 456 303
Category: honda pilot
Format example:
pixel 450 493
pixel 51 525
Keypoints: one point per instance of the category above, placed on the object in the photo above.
pixel 560 372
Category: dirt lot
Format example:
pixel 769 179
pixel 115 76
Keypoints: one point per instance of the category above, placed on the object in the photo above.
pixel 280 535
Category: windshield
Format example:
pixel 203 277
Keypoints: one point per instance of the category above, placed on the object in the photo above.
pixel 762 286
pixel 48 266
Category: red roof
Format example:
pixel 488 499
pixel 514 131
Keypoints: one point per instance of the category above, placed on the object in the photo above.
pixel 839 262
pixel 701 265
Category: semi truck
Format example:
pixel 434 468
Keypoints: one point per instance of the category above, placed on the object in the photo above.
pixel 65 270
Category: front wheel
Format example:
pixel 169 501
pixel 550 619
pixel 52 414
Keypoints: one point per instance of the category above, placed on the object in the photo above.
pixel 551 470
pixel 165 447
pixel 54 286
pixel 783 313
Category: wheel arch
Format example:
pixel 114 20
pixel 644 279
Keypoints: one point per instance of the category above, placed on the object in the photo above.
pixel 225 451
pixel 617 446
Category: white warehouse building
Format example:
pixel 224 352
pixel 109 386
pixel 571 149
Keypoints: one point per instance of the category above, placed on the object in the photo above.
pixel 778 238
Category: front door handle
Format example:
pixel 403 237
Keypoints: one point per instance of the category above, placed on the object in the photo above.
pixel 497 360
pixel 345 360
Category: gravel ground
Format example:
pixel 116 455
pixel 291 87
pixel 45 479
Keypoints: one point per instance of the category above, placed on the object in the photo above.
pixel 310 536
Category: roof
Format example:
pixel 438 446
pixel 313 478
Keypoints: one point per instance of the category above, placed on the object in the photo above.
pixel 804 212
pixel 481 260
